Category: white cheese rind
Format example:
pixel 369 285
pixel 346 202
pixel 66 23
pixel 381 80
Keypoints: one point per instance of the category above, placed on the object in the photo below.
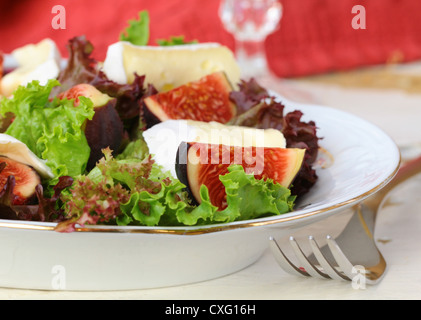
pixel 164 138
pixel 167 67
pixel 36 54
pixel 113 66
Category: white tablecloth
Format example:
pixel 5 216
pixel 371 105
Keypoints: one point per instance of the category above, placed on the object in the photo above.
pixel 398 225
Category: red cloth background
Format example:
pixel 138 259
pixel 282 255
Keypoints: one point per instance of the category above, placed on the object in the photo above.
pixel 314 36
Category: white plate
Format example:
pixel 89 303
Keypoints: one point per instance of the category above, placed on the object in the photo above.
pixel 34 256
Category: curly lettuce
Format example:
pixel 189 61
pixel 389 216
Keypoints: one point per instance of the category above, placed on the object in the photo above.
pixel 52 129
pixel 138 192
pixel 170 205
pixel 251 198
pixel 138 30
pixel 126 191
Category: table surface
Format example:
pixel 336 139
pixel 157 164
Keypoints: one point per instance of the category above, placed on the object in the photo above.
pixel 389 97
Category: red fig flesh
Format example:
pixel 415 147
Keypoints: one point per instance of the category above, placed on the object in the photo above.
pixel 86 90
pixel 206 99
pixel 26 179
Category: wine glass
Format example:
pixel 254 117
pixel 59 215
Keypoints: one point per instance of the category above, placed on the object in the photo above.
pixel 250 22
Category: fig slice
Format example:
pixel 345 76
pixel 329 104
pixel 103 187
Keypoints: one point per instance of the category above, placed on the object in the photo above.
pixel 86 90
pixel 206 99
pixel 202 163
pixel 26 179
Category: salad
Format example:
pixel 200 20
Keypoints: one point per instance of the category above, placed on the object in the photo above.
pixel 83 148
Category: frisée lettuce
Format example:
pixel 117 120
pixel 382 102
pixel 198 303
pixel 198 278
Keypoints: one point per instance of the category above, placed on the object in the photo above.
pixel 138 192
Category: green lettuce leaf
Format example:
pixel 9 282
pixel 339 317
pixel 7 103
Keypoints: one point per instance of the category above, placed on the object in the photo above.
pixel 198 215
pixel 174 41
pixel 138 33
pixel 53 130
pixel 136 149
pixel 138 30
pixel 144 207
pixel 169 207
pixel 250 198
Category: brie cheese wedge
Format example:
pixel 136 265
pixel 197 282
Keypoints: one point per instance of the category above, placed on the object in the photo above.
pixel 39 61
pixel 168 67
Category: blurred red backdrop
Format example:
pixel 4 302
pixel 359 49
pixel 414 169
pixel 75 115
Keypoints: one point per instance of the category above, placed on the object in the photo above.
pixel 314 36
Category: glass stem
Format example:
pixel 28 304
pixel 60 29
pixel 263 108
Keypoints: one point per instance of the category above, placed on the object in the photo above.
pixel 251 57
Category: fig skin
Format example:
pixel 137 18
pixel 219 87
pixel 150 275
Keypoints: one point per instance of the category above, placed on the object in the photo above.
pixel 181 169
pixel 150 118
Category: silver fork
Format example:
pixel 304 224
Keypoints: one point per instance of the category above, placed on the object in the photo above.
pixel 354 252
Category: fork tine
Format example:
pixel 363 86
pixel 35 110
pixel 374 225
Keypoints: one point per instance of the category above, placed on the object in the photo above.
pixel 324 263
pixel 341 259
pixel 283 261
pixel 309 267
